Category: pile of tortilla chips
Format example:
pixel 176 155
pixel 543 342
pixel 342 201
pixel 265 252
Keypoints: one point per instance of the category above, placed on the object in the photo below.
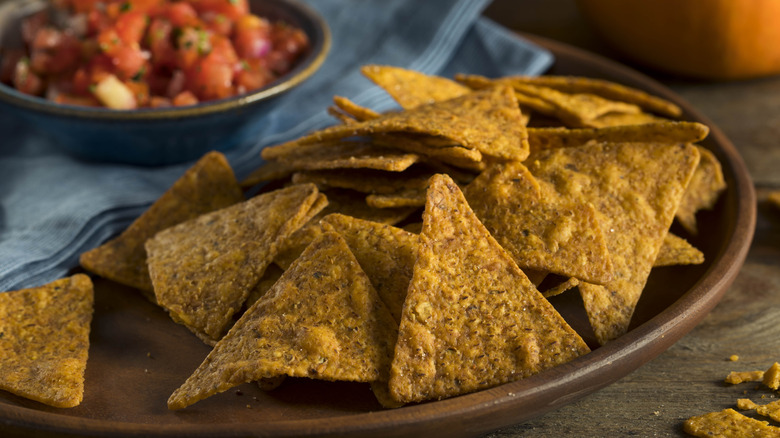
pixel 415 250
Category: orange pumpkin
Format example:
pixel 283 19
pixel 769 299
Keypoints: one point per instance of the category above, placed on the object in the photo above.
pixel 712 39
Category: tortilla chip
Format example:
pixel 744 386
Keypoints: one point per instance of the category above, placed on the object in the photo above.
pixel 349 155
pixel 44 337
pixel 346 202
pixel 411 88
pixel 453 154
pixel 206 186
pixel 665 132
pixel 729 423
pixel 606 89
pixel 385 253
pixel 636 189
pixel 560 288
pixel 576 110
pixel 407 198
pixel 365 180
pixel 357 112
pixel 488 121
pixel 555 234
pixel 321 320
pixel 203 269
pixel 524 101
pixel 624 119
pixel 677 251
pixel 461 279
pixel 573 109
pixel 703 192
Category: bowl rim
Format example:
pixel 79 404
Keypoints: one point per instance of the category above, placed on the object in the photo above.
pixel 298 75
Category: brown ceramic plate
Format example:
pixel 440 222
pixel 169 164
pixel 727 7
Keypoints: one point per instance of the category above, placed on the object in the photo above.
pixel 138 356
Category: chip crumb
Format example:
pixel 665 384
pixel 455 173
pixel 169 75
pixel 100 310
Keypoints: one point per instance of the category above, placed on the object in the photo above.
pixel 745 404
pixel 733 358
pixel 249 406
pixel 736 377
pixel 656 413
pixel 772 377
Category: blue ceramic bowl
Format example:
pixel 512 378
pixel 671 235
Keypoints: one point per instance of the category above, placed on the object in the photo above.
pixel 159 136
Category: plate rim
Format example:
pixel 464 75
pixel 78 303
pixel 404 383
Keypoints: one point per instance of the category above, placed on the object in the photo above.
pixel 501 406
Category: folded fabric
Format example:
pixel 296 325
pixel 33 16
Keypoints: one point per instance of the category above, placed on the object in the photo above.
pixel 53 207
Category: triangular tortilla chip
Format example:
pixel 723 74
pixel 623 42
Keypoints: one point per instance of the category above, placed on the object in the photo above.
pixel 557 235
pixel 677 251
pixel 487 120
pixel 665 132
pixel 206 186
pixel 411 88
pixel 355 111
pixel 44 339
pixel 385 253
pixel 472 319
pixel 203 269
pixel 599 87
pixel 703 192
pixel 322 320
pixel 636 188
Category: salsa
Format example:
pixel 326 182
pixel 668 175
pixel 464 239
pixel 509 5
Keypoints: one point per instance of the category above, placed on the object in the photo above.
pixel 127 54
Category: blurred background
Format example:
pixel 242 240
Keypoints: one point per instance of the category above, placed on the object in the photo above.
pixel 747 110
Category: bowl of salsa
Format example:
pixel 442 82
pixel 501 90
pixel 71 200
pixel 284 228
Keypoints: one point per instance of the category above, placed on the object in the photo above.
pixel 153 82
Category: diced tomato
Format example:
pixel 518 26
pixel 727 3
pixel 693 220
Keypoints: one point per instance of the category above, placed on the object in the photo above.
pixel 252 75
pixel 252 37
pixel 130 26
pixel 232 9
pixel 191 44
pixel 159 102
pixel 182 14
pixel 129 62
pixel 217 23
pixel 81 81
pixel 158 39
pixel 185 98
pixel 210 79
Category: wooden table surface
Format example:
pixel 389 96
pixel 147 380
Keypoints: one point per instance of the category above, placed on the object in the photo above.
pixel 687 379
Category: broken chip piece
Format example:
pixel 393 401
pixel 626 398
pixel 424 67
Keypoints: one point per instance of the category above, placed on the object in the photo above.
pixel 203 269
pixel 461 279
pixel 44 337
pixel 206 186
pixel 729 423
pixel 321 320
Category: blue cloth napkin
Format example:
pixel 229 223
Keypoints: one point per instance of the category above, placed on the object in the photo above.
pixel 54 207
